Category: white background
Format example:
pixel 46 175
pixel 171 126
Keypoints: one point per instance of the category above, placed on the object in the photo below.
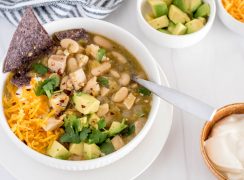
pixel 212 71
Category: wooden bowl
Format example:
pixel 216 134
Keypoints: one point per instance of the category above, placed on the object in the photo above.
pixel 221 113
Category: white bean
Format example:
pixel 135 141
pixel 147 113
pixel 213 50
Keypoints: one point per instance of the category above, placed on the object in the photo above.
pixel 71 45
pixel 119 57
pixel 124 79
pixel 72 65
pixel 59 52
pixel 114 73
pixel 104 91
pixel 120 95
pixel 101 69
pixel 102 42
pixel 103 109
pixel 81 59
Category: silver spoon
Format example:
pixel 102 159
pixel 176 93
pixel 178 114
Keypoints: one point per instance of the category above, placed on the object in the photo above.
pixel 180 100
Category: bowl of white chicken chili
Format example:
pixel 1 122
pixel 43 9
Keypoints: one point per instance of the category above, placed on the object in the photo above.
pixel 74 105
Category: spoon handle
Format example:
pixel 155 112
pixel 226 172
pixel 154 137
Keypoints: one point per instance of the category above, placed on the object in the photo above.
pixel 180 100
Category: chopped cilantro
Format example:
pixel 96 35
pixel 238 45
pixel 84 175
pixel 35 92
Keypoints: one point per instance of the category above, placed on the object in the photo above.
pixel 70 137
pixel 103 81
pixel 82 41
pixel 84 134
pixel 107 147
pixel 101 52
pixel 47 86
pixel 129 130
pixel 97 137
pixel 40 68
pixel 144 91
pixel 72 128
pixel 101 123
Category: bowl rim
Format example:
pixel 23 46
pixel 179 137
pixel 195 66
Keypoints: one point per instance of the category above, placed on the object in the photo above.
pixel 209 23
pixel 221 6
pixel 102 161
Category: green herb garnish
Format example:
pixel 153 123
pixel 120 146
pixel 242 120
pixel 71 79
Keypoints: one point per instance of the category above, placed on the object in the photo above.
pixel 84 134
pixel 129 130
pixel 70 137
pixel 101 123
pixel 144 91
pixel 103 81
pixel 107 147
pixel 97 137
pixel 101 52
pixel 47 86
pixel 72 127
pixel 40 68
pixel 82 42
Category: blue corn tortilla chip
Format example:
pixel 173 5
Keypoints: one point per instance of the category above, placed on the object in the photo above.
pixel 75 34
pixel 29 41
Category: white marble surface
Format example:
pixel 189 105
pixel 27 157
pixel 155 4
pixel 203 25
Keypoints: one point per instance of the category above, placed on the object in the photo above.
pixel 212 71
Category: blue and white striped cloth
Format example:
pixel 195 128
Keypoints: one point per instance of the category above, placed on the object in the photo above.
pixel 50 10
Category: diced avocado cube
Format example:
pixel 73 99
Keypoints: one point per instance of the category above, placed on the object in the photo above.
pixel 194 5
pixel 91 151
pixel 76 149
pixel 93 120
pixel 84 121
pixel 116 127
pixel 148 17
pixel 194 25
pixel 171 26
pixel 159 22
pixel 188 6
pixel 85 103
pixel 182 4
pixel 164 31
pixel 57 150
pixel 204 21
pixel 168 2
pixel 179 29
pixel 159 8
pixel 203 11
pixel 177 16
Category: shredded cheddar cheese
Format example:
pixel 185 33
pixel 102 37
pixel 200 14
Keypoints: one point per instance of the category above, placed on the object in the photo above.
pixel 26 113
pixel 235 8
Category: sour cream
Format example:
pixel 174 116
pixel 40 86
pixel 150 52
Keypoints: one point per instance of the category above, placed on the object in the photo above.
pixel 225 146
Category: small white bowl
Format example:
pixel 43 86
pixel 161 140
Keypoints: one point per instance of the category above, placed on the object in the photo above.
pixel 174 41
pixel 229 21
pixel 134 46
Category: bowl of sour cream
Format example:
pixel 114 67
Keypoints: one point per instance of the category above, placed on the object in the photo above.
pixel 222 142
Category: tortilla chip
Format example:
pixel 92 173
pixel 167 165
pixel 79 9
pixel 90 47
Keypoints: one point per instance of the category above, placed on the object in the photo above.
pixel 29 41
pixel 20 79
pixel 75 34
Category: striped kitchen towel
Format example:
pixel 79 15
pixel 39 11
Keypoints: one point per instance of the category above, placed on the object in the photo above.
pixel 50 10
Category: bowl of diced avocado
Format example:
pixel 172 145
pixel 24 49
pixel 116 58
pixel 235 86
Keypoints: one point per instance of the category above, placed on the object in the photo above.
pixel 176 23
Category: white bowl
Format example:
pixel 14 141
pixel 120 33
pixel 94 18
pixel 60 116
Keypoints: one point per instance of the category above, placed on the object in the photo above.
pixel 174 41
pixel 229 21
pixel 137 49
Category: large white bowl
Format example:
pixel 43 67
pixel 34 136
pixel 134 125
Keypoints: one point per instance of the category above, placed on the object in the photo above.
pixel 137 49
pixel 174 41
pixel 229 21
